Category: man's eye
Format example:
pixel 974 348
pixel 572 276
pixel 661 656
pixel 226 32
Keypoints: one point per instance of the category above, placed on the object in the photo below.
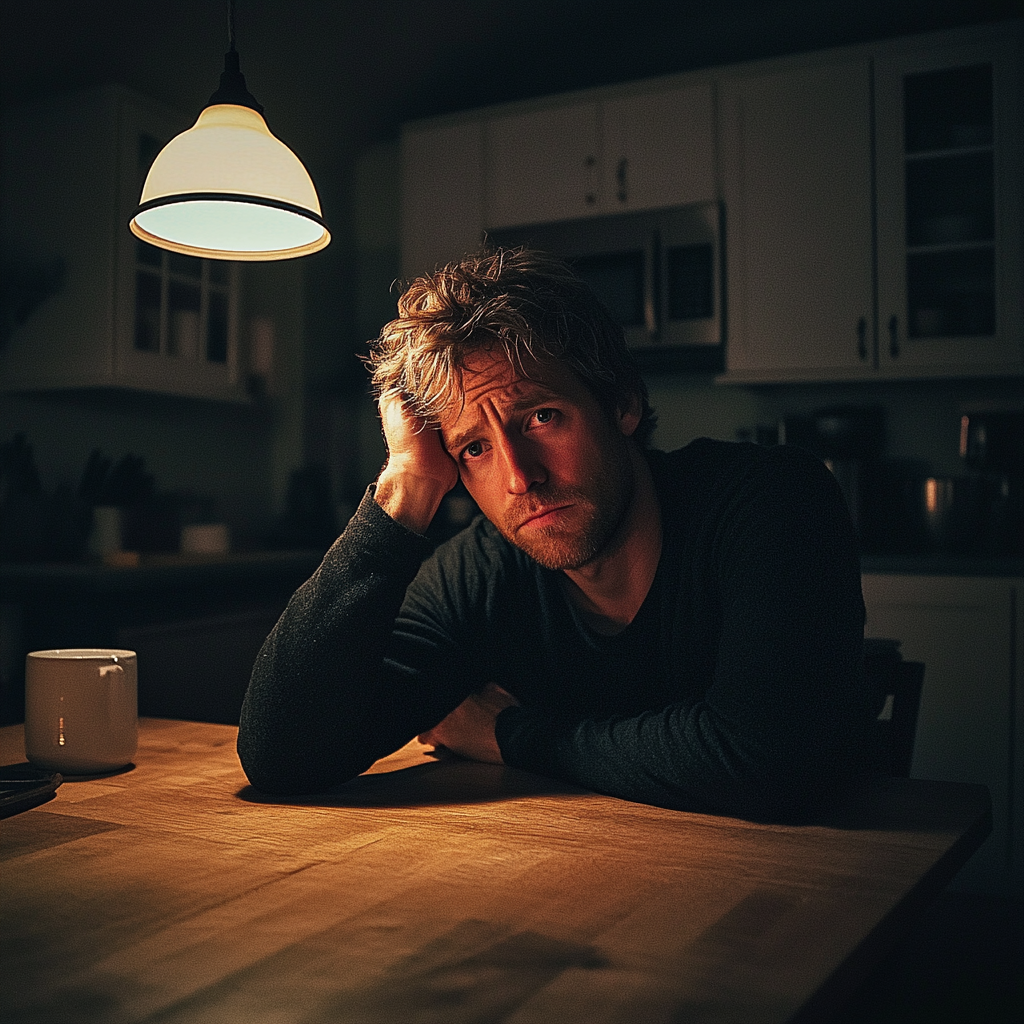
pixel 473 450
pixel 544 415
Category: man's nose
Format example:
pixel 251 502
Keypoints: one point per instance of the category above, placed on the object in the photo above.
pixel 522 467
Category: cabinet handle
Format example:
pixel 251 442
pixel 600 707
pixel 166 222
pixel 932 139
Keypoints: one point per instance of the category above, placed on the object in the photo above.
pixel 591 196
pixel 894 337
pixel 620 178
pixel 651 275
pixel 862 338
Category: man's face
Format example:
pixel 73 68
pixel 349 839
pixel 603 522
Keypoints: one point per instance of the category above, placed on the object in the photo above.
pixel 541 458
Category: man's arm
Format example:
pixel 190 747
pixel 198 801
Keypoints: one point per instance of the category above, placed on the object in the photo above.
pixel 322 705
pixel 469 730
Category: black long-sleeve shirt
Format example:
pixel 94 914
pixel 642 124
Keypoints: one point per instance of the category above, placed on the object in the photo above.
pixel 737 689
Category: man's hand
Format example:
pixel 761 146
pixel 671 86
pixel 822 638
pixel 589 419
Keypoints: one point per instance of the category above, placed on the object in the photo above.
pixel 419 472
pixel 469 730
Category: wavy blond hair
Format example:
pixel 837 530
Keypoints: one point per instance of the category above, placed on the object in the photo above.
pixel 523 302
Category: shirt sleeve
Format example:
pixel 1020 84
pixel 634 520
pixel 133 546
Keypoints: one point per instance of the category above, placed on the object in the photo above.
pixel 783 714
pixel 324 701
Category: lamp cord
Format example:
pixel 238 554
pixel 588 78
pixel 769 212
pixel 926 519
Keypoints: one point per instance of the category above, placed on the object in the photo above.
pixel 231 24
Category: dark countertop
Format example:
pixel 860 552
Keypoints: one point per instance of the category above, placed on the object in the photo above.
pixel 19 581
pixel 941 564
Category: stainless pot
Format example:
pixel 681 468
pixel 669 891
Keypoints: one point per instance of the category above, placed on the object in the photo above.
pixel 944 513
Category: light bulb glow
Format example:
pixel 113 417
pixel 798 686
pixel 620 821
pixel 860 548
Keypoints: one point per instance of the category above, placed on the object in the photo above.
pixel 227 227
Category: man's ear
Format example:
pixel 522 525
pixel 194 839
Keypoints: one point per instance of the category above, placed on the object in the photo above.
pixel 629 414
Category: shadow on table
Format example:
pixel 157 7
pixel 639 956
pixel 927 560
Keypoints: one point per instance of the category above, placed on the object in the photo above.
pixel 447 780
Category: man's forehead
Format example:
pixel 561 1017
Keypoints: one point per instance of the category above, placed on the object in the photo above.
pixel 495 380
pixel 494 372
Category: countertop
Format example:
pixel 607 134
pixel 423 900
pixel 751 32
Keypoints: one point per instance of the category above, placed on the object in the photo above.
pixel 152 572
pixel 76 579
pixel 944 565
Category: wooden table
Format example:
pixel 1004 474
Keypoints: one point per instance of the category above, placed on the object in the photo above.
pixel 445 891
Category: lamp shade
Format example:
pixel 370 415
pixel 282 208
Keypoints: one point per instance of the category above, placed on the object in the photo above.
pixel 228 189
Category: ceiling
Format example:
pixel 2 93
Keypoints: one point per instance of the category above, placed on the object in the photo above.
pixel 336 75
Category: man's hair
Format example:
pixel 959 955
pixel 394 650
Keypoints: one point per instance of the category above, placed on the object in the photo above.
pixel 522 302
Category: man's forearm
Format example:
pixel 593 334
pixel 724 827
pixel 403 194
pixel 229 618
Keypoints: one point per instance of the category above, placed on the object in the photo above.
pixel 314 713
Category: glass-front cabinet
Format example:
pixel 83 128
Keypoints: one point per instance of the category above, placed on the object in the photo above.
pixel 123 314
pixel 179 329
pixel 949 173
pixel 184 306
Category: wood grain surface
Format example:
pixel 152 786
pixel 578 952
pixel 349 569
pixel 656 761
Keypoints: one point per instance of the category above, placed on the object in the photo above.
pixel 444 891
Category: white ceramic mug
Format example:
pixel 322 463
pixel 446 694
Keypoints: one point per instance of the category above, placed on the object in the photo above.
pixel 81 710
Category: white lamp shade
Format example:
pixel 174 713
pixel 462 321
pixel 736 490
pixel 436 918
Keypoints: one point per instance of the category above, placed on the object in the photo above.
pixel 228 189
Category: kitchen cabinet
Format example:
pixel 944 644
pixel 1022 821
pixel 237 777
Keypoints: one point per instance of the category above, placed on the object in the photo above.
pixel 891 178
pixel 638 151
pixel 796 153
pixel 442 193
pixel 127 315
pixel 950 164
pixel 969 632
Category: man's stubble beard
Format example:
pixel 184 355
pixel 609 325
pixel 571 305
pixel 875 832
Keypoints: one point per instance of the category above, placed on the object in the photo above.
pixel 604 503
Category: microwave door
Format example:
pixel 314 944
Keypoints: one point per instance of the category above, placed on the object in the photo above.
pixel 691 277
pixel 620 278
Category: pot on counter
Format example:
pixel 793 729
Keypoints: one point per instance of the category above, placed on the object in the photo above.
pixel 942 514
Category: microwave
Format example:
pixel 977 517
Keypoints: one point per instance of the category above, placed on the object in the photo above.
pixel 659 272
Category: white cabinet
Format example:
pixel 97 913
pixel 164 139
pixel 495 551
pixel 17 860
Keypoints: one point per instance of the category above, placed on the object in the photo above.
pixel 127 315
pixel 969 632
pixel 950 163
pixel 542 166
pixel 638 151
pixel 796 155
pixel 874 213
pixel 442 193
pixel 658 149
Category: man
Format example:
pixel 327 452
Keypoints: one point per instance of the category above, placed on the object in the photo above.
pixel 681 629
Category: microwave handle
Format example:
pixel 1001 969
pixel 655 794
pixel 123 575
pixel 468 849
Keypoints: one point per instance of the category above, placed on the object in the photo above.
pixel 651 285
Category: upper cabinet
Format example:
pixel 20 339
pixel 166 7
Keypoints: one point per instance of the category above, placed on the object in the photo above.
pixel 635 152
pixel 466 174
pixel 949 130
pixel 125 315
pixel 872 200
pixel 874 214
pixel 796 155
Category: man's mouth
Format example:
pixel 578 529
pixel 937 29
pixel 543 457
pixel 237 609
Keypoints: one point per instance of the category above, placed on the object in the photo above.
pixel 543 516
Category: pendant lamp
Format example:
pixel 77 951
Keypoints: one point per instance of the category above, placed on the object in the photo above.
pixel 227 188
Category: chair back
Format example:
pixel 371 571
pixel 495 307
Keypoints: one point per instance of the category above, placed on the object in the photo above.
pixel 896 687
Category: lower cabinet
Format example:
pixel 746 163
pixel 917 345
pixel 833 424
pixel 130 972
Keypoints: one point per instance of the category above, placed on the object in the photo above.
pixel 969 632
pixel 198 669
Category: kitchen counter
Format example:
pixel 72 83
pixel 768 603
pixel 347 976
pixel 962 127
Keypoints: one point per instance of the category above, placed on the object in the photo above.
pixel 942 564
pixel 19 581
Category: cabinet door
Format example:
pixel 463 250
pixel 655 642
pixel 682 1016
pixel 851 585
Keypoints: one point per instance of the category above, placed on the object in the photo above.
pixel 796 152
pixel 442 195
pixel 542 166
pixel 949 210
pixel 963 630
pixel 658 149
